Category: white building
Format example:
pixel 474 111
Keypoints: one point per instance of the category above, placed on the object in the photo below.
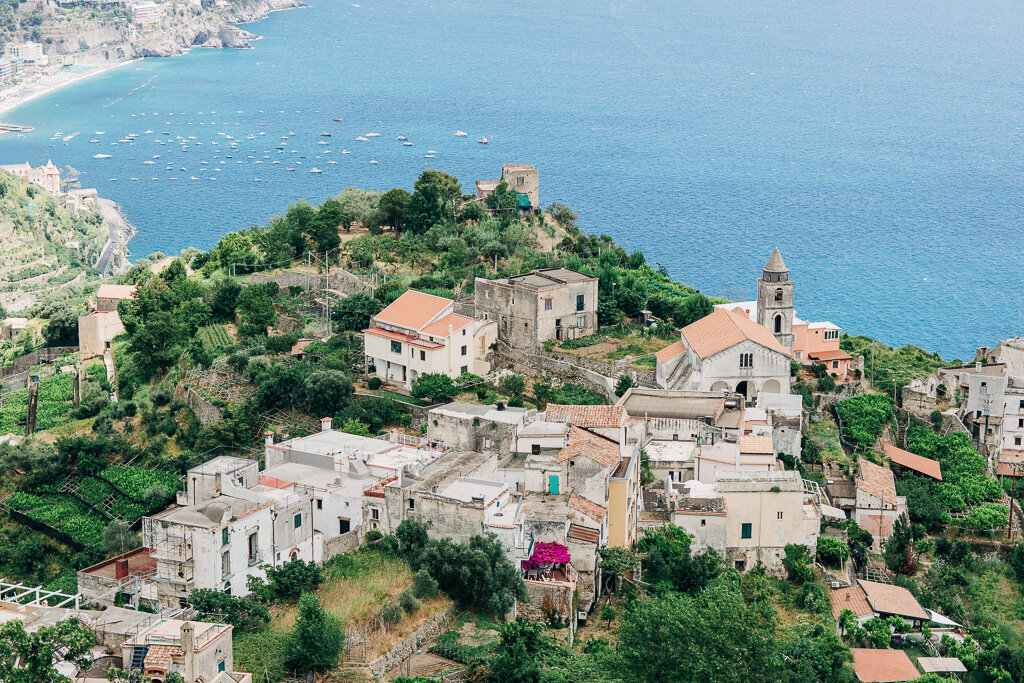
pixel 145 13
pixel 419 334
pixel 725 352
pixel 339 469
pixel 46 177
pixel 25 52
pixel 226 526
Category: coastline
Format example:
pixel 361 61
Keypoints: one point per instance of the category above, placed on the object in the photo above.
pixel 17 99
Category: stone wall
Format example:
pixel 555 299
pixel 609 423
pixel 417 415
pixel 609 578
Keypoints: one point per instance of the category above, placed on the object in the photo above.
pixel 340 280
pixel 545 366
pixel 44 355
pixel 341 544
pixel 205 412
pixel 408 647
pixel 547 600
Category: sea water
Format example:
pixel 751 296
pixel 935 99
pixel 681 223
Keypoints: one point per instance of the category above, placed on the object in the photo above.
pixel 878 144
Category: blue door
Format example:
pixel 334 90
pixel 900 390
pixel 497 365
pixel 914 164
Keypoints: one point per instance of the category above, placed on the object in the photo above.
pixel 553 484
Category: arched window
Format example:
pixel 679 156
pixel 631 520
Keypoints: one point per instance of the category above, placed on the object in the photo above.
pixel 778 324
pixel 778 294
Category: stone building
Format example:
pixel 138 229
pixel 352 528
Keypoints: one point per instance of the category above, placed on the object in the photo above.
pixel 520 178
pixel 471 427
pixel 775 300
pixel 226 526
pixel 46 177
pixel 697 508
pixel 197 650
pixel 697 416
pixel 109 296
pixel 532 308
pixel 97 330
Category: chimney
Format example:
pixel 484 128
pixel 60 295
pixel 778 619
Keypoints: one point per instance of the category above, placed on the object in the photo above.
pixel 120 569
pixel 501 405
pixel 977 366
pixel 268 438
pixel 189 648
pixel 325 424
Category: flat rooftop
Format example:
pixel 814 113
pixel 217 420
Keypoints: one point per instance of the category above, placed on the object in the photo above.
pixel 541 507
pixel 139 562
pixel 465 489
pixel 446 470
pixel 671 451
pixel 208 515
pixel 222 464
pixel 297 473
pixel 545 278
pixel 544 428
pixel 333 442
pixel 488 413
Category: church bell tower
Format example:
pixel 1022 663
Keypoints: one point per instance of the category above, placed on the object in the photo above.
pixel 775 300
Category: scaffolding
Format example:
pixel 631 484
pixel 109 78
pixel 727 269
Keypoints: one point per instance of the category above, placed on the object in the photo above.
pixel 172 548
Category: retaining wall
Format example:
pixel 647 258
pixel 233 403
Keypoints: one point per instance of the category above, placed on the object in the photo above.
pixel 341 544
pixel 408 647
pixel 205 412
pixel 534 364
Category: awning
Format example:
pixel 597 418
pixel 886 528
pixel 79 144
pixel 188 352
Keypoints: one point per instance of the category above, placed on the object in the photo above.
pixel 937 618
pixel 833 512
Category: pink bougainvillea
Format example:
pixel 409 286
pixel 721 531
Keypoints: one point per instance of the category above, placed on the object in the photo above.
pixel 547 553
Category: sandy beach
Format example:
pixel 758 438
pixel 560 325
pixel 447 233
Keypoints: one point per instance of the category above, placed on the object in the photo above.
pixel 44 84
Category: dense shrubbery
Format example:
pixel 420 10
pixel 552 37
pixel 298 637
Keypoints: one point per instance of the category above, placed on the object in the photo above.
pixel 965 481
pixel 863 418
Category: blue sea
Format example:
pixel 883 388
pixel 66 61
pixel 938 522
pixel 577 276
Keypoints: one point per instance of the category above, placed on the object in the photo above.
pixel 880 145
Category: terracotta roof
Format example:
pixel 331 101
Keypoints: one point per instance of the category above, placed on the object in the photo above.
pixel 597 448
pixel 852 598
pixel 914 462
pixel 115 292
pixel 1010 467
pixel 586 416
pixel 413 310
pixel 834 354
pixel 585 534
pixel 588 508
pixel 756 444
pixel 886 598
pixel 671 351
pixel 883 666
pixel 440 328
pixel 876 481
pixel 159 656
pixel 720 330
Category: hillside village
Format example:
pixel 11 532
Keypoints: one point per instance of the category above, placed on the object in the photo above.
pixel 460 439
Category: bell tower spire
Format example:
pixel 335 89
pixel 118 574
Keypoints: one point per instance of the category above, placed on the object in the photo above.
pixel 775 300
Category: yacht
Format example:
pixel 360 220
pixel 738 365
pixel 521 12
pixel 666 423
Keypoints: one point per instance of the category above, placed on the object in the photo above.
pixel 100 156
pixel 315 170
pixel 460 134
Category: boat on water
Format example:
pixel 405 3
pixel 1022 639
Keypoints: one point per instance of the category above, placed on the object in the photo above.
pixel 428 156
pixel 460 134
pixel 257 180
pixel 289 169
pixel 100 132
pixel 430 151
pixel 337 119
pixel 332 161
pixel 483 141
pixel 361 139
pixel 112 180
pixel 345 151
pixel 95 142
pixel 402 137
pixel 100 156
pixel 373 135
pixel 407 144
pixel 148 132
pixel 315 170
pixel 372 161
pixel 193 178
pixel 149 161
pixel 323 142
pixel 325 134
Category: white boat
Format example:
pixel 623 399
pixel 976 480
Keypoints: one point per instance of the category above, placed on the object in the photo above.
pixel 315 170
pixel 407 144
pixel 430 151
pixel 113 180
pixel 100 132
pixel 373 135
pixel 100 156
pixel 94 141
pixel 323 142
pixel 361 139
pixel 372 161
pixel 402 137
pixel 149 161
pixel 148 132
pixel 345 151
pixel 460 134
pixel 332 161
pixel 483 141
pixel 193 178
pixel 428 156
pixel 173 178
pixel 257 180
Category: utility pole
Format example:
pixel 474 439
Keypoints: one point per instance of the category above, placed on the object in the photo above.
pixel 309 266
pixel 1013 483
pixel 872 364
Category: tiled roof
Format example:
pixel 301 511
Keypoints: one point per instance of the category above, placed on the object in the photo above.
pixel 852 598
pixel 585 534
pixel 883 666
pixel 1011 464
pixel 159 656
pixel 399 337
pixel 756 444
pixel 115 292
pixel 876 481
pixel 586 416
pixel 721 330
pixel 917 463
pixel 597 448
pixel 588 508
pixel 440 328
pixel 671 351
pixel 413 310
pixel 833 354
pixel 886 598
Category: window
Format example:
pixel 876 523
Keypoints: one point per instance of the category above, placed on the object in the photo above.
pixel 423 355
pixel 1016 441
pixel 535 448
pixel 746 360
pixel 344 525
pixel 703 522
pixel 740 565
pixel 224 540
pixel 579 302
pixel 831 334
pixel 225 564
pixel 297 520
pixel 799 354
pixel 374 513
pixel 412 503
pixel 463 350
pixel 319 503
pixel 1021 406
pixel 1020 422
pixel 464 369
pixel 581 321
pixel 220 664
pixel 778 324
pixel 778 515
pixel 672 476
pixel 778 294
pixel 254 544
pixel 396 347
pixel 547 304
pixel 835 364
pixel 675 437
pixel 746 530
pixel 463 331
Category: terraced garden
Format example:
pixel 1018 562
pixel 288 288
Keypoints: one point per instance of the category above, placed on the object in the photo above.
pixel 82 511
pixel 56 405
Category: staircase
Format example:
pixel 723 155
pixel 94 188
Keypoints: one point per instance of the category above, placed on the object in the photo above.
pixel 139 656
